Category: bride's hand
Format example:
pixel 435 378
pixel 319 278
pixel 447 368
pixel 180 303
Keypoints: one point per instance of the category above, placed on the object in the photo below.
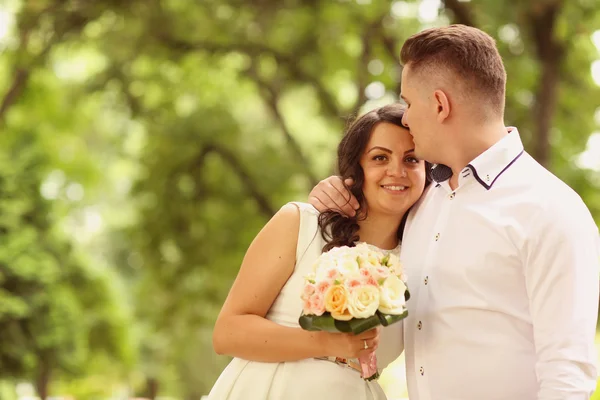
pixel 348 345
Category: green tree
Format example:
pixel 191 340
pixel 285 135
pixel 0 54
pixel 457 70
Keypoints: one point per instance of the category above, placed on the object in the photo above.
pixel 55 310
pixel 188 124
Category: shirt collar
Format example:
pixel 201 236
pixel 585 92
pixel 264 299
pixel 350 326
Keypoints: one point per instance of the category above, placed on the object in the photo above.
pixel 490 164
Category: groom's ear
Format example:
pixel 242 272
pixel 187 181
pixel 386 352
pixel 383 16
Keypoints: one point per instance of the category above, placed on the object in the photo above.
pixel 442 105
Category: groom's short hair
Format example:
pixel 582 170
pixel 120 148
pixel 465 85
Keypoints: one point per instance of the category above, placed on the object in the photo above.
pixel 469 53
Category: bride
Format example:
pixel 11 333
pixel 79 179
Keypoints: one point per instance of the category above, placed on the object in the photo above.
pixel 274 358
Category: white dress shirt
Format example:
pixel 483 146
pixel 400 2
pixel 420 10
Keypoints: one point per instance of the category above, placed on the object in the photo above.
pixel 503 274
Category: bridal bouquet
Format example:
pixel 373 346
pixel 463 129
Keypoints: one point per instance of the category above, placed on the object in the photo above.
pixel 352 290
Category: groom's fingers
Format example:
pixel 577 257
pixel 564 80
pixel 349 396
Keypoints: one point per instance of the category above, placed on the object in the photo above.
pixel 349 182
pixel 318 204
pixel 340 196
pixel 336 201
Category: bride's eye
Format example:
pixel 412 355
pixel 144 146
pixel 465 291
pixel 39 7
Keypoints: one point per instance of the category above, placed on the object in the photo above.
pixel 380 157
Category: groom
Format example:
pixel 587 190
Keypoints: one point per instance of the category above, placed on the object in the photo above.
pixel 502 257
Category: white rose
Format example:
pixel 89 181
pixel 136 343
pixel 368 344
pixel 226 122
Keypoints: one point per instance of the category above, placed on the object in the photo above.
pixel 363 301
pixel 338 252
pixel 347 265
pixel 362 248
pixel 392 296
pixel 321 274
pixel 374 257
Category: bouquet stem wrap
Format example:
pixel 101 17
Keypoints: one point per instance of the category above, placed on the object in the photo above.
pixel 368 366
pixel 326 322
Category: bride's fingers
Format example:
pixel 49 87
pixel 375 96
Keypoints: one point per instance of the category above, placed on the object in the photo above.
pixel 368 334
pixel 371 344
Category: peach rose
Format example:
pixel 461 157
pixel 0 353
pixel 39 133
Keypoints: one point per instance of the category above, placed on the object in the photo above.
pixel 381 273
pixel 323 286
pixel 309 290
pixel 336 302
pixel 352 283
pixel 306 306
pixel 317 304
pixel 367 277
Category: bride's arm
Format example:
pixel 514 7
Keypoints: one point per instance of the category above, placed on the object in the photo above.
pixel 243 331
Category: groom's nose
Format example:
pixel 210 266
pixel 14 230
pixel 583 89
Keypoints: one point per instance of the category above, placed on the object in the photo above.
pixel 405 120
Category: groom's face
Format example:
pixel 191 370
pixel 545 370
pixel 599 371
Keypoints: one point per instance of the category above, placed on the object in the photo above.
pixel 418 117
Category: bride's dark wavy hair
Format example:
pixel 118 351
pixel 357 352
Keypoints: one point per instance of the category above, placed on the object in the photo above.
pixel 340 231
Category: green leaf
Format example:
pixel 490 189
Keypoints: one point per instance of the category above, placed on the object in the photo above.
pixel 357 326
pixel 389 319
pixel 385 260
pixel 323 322
pixel 360 325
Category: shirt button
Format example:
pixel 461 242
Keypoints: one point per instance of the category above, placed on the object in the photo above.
pixel 452 195
pixel 420 325
pixel 437 237
pixel 426 280
pixel 422 371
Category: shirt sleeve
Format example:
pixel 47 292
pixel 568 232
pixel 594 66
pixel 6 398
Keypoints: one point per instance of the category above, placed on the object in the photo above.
pixel 391 344
pixel 562 267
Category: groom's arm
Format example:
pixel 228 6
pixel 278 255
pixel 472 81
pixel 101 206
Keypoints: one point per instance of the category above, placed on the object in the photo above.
pixel 332 194
pixel 561 272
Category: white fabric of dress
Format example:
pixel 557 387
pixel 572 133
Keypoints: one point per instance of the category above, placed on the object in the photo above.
pixel 310 378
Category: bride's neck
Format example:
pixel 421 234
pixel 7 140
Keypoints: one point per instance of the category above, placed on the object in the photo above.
pixel 380 230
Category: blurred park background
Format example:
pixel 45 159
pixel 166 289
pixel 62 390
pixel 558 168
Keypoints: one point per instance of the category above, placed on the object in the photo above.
pixel 145 142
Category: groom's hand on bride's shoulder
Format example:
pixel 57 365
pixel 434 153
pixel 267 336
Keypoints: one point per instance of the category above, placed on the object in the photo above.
pixel 333 194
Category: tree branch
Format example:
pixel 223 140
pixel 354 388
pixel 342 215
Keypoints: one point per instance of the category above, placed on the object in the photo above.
pixel 391 46
pixel 73 22
pixel 14 91
pixel 229 158
pixel 272 99
pixel 362 69
pixel 461 12
pixel 21 76
pixel 254 50
pixel 116 72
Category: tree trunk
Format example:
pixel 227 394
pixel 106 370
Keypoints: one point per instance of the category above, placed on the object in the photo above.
pixel 545 106
pixel 42 381
pixel 151 388
pixel 549 52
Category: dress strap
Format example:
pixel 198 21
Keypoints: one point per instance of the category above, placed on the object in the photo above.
pixel 309 228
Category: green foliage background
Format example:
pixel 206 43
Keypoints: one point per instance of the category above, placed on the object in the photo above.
pixel 145 142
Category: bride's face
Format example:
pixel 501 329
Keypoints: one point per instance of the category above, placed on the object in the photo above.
pixel 394 177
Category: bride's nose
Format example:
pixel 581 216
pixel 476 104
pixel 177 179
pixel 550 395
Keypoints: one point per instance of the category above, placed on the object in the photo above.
pixel 397 169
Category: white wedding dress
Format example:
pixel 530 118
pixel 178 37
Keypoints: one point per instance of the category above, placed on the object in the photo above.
pixel 309 379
